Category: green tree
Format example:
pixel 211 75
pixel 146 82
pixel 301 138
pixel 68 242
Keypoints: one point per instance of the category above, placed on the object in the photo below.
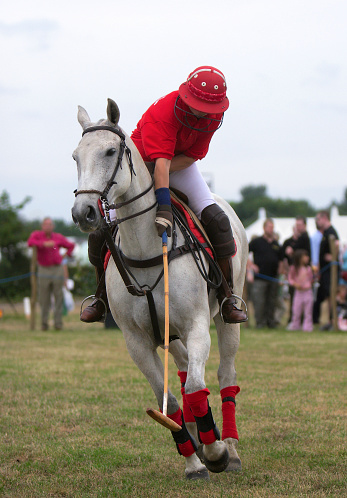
pixel 255 197
pixel 253 192
pixel 60 226
pixel 13 260
pixel 343 205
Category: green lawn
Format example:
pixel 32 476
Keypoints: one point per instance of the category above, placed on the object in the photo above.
pixel 73 420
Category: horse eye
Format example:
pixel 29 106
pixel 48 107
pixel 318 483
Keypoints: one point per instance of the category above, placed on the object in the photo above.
pixel 111 152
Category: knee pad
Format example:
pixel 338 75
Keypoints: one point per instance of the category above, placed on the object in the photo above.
pixel 218 228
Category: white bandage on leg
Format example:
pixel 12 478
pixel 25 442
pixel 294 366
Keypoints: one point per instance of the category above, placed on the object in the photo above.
pixel 191 182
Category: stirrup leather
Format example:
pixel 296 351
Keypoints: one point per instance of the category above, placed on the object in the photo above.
pixel 93 296
pixel 236 298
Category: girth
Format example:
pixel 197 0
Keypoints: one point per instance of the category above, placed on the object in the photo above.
pixel 158 260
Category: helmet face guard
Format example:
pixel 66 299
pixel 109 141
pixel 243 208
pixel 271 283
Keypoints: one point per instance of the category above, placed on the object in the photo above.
pixel 187 114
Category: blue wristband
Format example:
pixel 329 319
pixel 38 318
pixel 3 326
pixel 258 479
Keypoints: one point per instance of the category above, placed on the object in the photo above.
pixel 163 196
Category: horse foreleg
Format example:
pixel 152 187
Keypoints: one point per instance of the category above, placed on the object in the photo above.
pixel 150 364
pixel 228 344
pixel 215 454
pixel 180 356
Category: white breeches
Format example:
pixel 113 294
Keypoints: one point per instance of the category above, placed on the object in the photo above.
pixel 191 182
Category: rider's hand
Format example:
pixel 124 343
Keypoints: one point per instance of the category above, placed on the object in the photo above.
pixel 163 220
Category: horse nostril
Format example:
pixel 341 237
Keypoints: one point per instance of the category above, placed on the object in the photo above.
pixel 74 219
pixel 91 214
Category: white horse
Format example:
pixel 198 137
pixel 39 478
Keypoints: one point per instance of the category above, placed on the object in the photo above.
pixel 191 305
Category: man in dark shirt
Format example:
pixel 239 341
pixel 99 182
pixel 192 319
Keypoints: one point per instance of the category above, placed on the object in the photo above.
pixel 267 258
pixel 299 240
pixel 325 259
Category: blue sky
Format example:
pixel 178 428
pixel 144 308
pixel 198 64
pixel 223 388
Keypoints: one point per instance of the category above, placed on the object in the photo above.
pixel 284 61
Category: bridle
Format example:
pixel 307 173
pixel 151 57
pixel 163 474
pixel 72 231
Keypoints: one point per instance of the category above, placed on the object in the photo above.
pixel 103 203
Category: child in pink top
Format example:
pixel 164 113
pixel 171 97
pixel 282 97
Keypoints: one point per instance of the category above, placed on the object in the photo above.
pixel 300 277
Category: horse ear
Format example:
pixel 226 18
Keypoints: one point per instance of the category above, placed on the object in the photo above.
pixel 83 118
pixel 113 113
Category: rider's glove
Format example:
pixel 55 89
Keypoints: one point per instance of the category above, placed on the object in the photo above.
pixel 164 218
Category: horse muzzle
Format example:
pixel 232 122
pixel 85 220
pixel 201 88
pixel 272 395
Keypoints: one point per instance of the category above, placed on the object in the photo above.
pixel 86 216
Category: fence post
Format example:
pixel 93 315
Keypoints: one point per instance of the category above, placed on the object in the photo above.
pixel 33 282
pixel 333 279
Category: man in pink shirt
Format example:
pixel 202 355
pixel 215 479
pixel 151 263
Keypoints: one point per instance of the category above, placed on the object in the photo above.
pixel 50 271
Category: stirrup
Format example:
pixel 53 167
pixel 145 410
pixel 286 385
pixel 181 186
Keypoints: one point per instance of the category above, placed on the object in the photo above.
pixel 93 296
pixel 236 298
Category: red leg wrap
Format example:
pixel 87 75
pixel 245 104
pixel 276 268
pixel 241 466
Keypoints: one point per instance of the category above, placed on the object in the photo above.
pixel 198 402
pixel 199 406
pixel 176 417
pixel 228 411
pixel 186 447
pixel 187 412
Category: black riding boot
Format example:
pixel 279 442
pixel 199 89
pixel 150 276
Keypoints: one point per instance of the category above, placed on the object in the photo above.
pixel 96 311
pixel 218 228
pixel 230 313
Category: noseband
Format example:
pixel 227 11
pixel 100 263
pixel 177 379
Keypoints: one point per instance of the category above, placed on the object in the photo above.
pixel 103 203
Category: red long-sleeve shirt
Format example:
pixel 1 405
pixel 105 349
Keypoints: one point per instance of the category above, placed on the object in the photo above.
pixel 49 256
pixel 160 134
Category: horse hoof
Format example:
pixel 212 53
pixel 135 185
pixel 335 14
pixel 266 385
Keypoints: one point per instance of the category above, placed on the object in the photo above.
pixel 234 459
pixel 219 465
pixel 234 465
pixel 201 474
pixel 200 454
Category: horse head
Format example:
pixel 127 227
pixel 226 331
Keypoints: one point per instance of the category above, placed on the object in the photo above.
pixel 99 157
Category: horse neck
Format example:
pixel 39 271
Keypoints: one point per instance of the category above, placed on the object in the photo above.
pixel 137 234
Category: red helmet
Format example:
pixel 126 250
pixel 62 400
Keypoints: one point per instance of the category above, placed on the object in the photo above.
pixel 205 90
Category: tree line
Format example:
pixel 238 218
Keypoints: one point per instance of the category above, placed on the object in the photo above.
pixel 255 197
pixel 15 229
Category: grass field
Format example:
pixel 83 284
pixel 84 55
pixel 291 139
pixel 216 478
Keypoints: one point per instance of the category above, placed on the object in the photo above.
pixel 73 420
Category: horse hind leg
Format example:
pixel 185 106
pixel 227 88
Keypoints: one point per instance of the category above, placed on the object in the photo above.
pixel 228 343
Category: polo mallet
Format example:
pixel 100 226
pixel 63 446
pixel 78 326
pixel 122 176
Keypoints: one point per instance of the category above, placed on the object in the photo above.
pixel 162 418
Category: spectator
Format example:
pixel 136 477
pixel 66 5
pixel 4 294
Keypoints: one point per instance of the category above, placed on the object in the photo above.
pixel 315 241
pixel 341 304
pixel 299 240
pixel 300 277
pixel 341 299
pixel 267 264
pixel 50 270
pixel 344 267
pixel 325 259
